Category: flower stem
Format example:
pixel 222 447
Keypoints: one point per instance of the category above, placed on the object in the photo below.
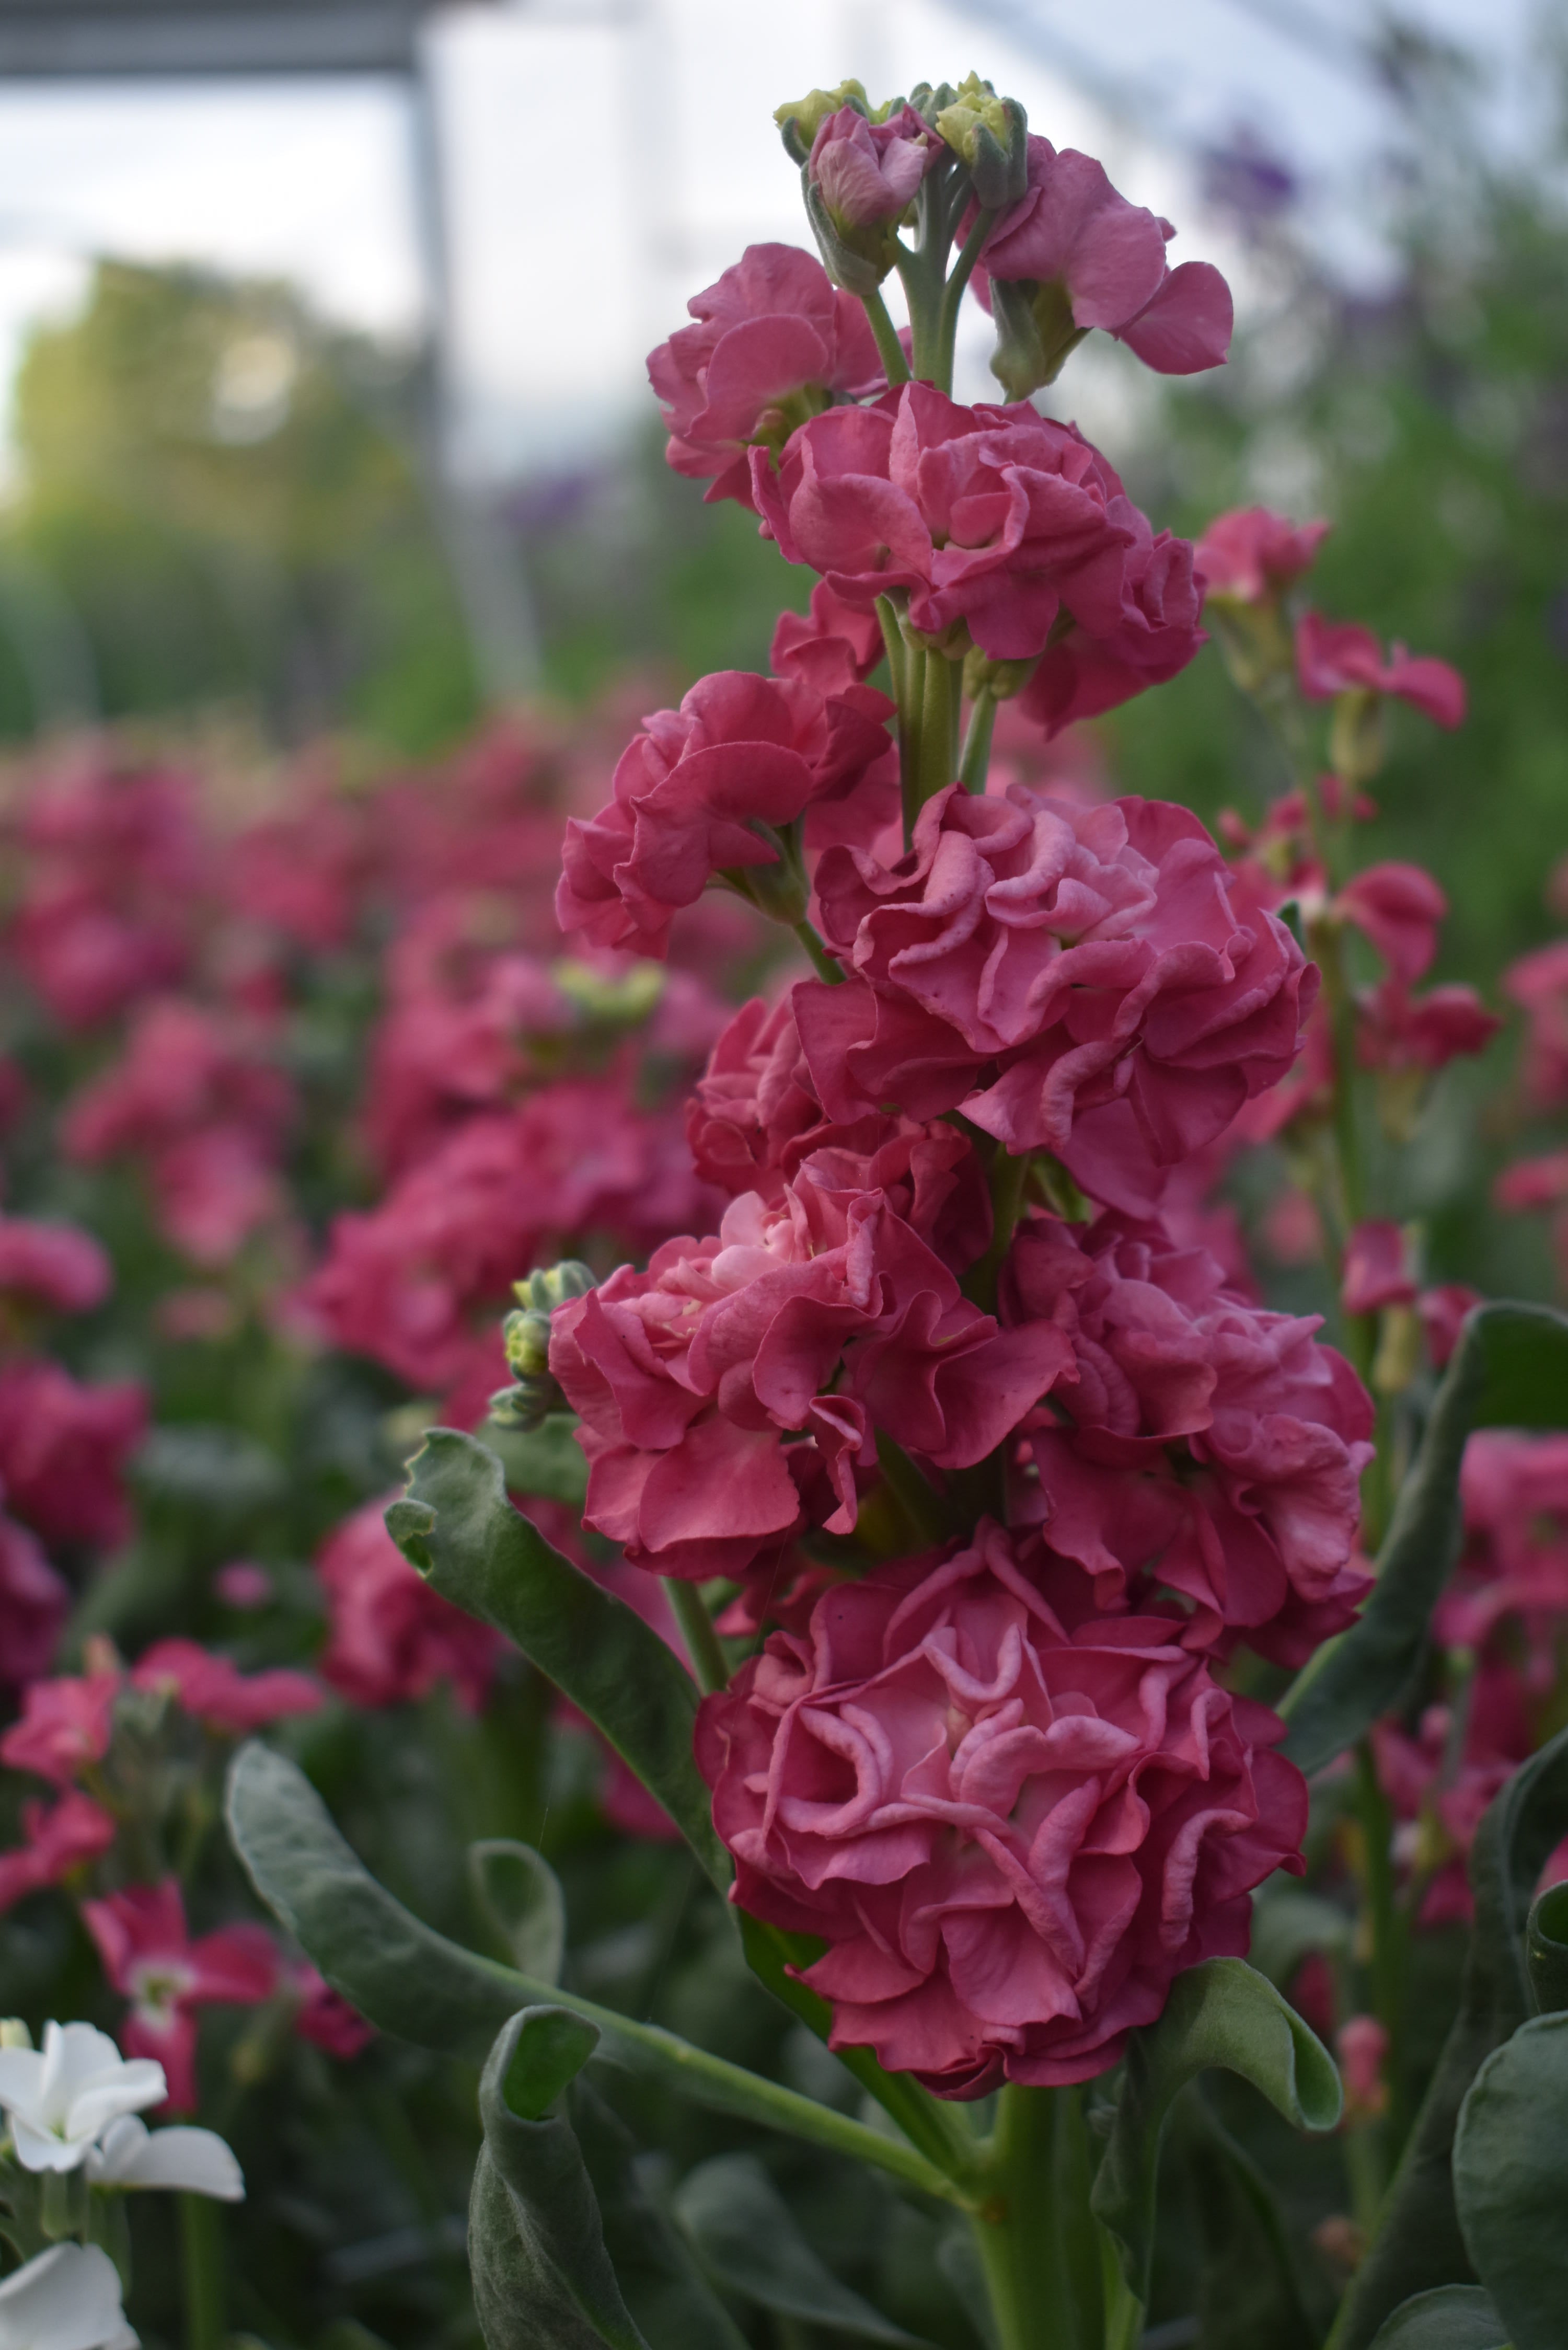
pixel 936 761
pixel 911 728
pixel 1008 1178
pixel 1037 2240
pixel 1385 1928
pixel 895 366
pixel 975 763
pixel 953 297
pixel 203 2261
pixel 822 961
pixel 689 1610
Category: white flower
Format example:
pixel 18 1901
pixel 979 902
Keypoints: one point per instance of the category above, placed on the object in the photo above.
pixel 68 2299
pixel 130 2155
pixel 61 2098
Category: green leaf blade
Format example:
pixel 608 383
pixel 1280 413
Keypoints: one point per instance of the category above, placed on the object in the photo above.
pixel 747 2240
pixel 1454 2317
pixel 1510 2180
pixel 1221 2014
pixel 456 1525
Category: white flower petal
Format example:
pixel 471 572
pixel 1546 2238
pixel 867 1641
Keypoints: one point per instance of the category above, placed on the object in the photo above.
pixel 128 2090
pixel 68 2299
pixel 43 2150
pixel 195 2159
pixel 21 2077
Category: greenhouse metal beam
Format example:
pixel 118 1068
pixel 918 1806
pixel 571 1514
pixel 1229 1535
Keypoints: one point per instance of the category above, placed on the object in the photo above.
pixel 55 39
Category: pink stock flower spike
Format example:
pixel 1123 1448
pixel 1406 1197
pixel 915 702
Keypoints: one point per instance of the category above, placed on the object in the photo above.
pixel 1361 2045
pixel 868 174
pixel 324 2016
pixel 392 1638
pixel 150 1960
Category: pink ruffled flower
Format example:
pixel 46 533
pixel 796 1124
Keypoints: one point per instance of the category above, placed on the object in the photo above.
pixel 65 1724
pixel 837 646
pixel 63 1449
pixel 1514 1488
pixel 58 1267
pixel 1078 979
pixel 1539 1183
pixel 823 1317
pixel 33 1604
pixel 1438 1798
pixel 213 1689
pixel 1072 230
pixel 197 1096
pixel 1395 1030
pixel 1206 1447
pixel 1251 554
pixel 1538 983
pixel 691 789
pixel 1083 673
pixel 775 340
pixel 150 1958
pixel 390 1638
pixel 1013 1828
pixel 996 518
pixel 403 1282
pixel 59 1839
pixel 1340 657
pixel 1401 909
pixel 1377 1270
pixel 1444 1311
pixel 868 172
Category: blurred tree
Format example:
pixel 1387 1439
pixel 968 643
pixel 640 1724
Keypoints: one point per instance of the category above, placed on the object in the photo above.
pixel 218 502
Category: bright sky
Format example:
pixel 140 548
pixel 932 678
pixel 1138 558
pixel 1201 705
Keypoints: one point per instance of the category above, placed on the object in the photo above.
pixel 602 160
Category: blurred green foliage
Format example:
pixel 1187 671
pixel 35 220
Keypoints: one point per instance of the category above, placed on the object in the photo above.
pixel 220 503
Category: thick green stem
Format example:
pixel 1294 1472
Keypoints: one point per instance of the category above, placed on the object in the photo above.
pixel 975 763
pixel 689 1610
pixel 929 1520
pixel 822 961
pixel 895 366
pixel 201 2251
pixel 1038 2243
pixel 893 645
pixel 936 765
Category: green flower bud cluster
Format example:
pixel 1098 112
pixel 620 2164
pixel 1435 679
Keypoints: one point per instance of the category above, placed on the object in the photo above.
pixel 987 134
pixel 525 1335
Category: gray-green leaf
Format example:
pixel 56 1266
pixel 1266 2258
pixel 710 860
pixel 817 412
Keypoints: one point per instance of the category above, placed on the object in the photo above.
pixel 1224 2013
pixel 1510 1369
pixel 1419 2245
pixel 747 2240
pixel 519 1893
pixel 1510 2180
pixel 456 1525
pixel 1546 1951
pixel 547 1459
pixel 542 2277
pixel 1454 2317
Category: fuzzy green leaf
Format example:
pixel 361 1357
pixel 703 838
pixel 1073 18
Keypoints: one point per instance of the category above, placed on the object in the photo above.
pixel 1510 1369
pixel 1224 2013
pixel 519 1894
pixel 747 2240
pixel 1420 2245
pixel 1546 1951
pixel 1454 2317
pixel 456 1525
pixel 1510 2180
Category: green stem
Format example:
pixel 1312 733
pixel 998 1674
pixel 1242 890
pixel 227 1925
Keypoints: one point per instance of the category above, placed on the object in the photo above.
pixel 689 1610
pixel 953 297
pixel 912 725
pixel 1038 2244
pixel 975 762
pixel 1385 1926
pixel 893 644
pixel 1008 1177
pixel 201 2251
pixel 936 765
pixel 895 366
pixel 822 961
pixel 929 1521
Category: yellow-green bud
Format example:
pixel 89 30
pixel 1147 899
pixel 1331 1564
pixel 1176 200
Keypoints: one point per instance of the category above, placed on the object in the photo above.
pixel 553 1284
pixel 1357 736
pixel 14 2032
pixel 1001 679
pixel 987 133
pixel 800 119
pixel 526 1336
pixel 624 1002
